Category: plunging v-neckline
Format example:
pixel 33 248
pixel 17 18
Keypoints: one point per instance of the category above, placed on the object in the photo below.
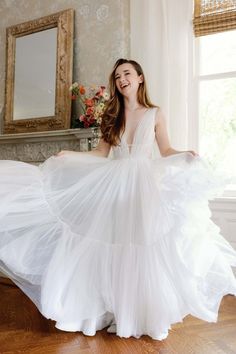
pixel 135 130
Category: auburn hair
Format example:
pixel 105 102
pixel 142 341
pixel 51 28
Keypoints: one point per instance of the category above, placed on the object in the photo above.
pixel 113 119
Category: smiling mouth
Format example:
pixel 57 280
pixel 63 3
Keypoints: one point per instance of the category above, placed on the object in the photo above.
pixel 123 87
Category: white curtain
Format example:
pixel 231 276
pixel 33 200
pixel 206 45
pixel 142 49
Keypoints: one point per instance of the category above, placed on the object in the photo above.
pixel 161 41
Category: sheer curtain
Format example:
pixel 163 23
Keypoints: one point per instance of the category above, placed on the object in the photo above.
pixel 161 40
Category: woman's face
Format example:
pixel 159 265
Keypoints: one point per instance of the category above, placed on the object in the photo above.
pixel 127 79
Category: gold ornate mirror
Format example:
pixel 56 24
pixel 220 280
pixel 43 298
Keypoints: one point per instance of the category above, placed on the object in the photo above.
pixel 39 73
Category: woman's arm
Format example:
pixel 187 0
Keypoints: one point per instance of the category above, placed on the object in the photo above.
pixel 162 137
pixel 102 149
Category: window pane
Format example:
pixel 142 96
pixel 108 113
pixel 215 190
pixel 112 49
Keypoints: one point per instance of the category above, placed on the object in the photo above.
pixel 217 126
pixel 217 53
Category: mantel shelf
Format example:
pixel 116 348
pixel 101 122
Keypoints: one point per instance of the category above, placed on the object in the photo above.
pixel 36 147
pixel 79 133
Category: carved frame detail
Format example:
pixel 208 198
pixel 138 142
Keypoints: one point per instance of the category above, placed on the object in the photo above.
pixel 64 21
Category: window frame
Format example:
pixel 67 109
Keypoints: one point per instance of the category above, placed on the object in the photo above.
pixel 194 103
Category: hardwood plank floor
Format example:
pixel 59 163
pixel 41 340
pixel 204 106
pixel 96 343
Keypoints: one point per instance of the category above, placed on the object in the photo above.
pixel 24 330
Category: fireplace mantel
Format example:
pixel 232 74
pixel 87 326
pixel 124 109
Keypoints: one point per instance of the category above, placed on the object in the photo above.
pixel 37 147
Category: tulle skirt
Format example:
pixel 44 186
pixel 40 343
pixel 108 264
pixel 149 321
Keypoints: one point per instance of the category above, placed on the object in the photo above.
pixel 93 240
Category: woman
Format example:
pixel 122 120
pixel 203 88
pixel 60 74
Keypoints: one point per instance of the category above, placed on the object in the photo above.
pixel 125 242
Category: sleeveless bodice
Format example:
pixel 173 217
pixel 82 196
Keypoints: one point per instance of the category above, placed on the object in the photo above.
pixel 143 140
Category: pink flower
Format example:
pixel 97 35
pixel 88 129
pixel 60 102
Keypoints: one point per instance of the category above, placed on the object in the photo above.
pixel 91 120
pixel 92 100
pixel 86 124
pixel 89 102
pixel 89 111
pixel 82 118
pixel 100 92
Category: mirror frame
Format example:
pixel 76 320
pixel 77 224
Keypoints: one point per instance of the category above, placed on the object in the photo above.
pixel 64 21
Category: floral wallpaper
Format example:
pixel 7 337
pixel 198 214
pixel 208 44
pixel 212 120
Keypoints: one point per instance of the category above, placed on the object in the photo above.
pixel 101 34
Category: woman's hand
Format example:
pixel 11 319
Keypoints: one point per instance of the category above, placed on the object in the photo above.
pixel 65 152
pixel 193 152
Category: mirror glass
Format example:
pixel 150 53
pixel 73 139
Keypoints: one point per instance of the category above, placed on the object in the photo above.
pixel 35 75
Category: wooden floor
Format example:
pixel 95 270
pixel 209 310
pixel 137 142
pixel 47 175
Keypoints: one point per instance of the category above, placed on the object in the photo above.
pixel 24 330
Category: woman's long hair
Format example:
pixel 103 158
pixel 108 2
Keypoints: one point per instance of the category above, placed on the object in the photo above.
pixel 113 120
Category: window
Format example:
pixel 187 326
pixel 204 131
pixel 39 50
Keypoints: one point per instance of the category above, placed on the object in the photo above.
pixel 216 80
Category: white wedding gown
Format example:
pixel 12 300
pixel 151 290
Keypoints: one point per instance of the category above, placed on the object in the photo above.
pixel 127 239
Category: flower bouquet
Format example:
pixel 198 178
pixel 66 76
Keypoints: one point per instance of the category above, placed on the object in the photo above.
pixel 92 101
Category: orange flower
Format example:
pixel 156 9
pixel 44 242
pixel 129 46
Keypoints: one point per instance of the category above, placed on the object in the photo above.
pixel 89 102
pixel 92 100
pixel 82 90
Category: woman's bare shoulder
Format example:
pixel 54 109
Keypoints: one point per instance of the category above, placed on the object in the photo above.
pixel 159 115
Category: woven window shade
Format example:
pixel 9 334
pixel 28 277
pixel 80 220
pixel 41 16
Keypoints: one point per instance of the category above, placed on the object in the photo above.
pixel 212 16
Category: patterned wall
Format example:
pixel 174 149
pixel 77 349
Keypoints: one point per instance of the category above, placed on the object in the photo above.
pixel 101 34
